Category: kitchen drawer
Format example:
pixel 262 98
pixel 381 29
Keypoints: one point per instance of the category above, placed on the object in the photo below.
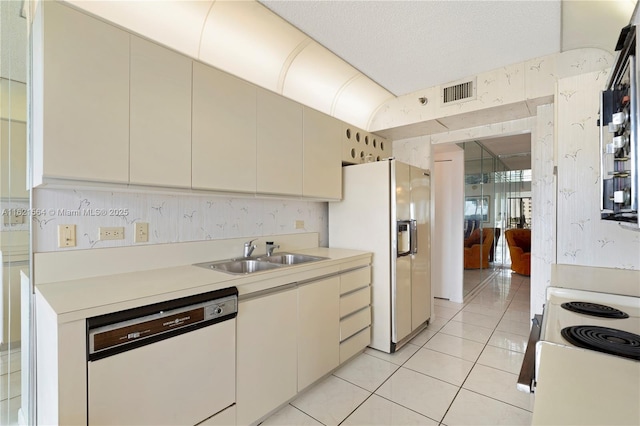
pixel 355 344
pixel 354 323
pixel 354 301
pixel 355 280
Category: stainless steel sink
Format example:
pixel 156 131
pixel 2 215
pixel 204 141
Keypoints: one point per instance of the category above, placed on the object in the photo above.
pixel 239 266
pixel 242 266
pixel 290 258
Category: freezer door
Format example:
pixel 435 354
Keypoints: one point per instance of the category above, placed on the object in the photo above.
pixel 421 253
pixel 401 284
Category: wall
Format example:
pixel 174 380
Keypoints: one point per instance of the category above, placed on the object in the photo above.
pixel 447 254
pixel 503 94
pixel 543 198
pixel 583 238
pixel 414 151
pixel 172 218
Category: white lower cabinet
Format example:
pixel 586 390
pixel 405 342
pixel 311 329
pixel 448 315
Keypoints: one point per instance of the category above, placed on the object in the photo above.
pixel 290 337
pixel 226 417
pixel 355 312
pixel 354 344
pixel 266 354
pixel 318 329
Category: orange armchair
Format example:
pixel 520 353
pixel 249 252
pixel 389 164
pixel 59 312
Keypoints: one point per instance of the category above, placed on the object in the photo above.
pixel 519 241
pixel 477 248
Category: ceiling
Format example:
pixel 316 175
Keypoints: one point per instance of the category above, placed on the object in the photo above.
pixel 406 46
pixel 514 151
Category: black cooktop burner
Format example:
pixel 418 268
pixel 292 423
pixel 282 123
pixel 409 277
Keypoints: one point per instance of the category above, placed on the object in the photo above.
pixel 595 310
pixel 604 339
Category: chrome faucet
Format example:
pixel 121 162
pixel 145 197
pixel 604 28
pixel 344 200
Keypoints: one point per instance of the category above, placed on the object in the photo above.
pixel 271 246
pixel 249 248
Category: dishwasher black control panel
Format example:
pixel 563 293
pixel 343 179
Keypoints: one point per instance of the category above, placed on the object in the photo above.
pixel 117 332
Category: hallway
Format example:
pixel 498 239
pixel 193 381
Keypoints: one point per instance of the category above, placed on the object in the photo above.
pixel 461 370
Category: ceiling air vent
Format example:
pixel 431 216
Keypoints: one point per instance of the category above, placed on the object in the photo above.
pixel 459 91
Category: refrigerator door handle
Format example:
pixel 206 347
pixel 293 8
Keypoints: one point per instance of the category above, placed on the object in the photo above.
pixel 404 238
pixel 414 237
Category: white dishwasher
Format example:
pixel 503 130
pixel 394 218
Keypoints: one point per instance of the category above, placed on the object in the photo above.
pixel 170 363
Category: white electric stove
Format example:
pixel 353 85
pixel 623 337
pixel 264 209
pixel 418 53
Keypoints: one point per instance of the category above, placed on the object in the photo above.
pixel 587 355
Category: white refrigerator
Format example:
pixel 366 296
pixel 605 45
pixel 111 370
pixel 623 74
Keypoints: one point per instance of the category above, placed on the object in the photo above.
pixel 386 210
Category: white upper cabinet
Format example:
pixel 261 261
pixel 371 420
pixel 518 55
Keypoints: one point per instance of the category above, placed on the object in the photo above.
pixel 322 164
pixel 223 131
pixel 279 145
pixel 112 107
pixel 83 116
pixel 160 143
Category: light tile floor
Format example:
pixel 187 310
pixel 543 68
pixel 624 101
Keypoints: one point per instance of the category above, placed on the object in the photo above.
pixel 10 375
pixel 461 370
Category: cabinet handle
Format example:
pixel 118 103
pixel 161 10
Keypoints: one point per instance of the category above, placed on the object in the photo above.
pixel 267 292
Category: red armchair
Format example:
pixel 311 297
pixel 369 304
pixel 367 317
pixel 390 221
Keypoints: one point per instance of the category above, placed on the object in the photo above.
pixel 519 241
pixel 477 248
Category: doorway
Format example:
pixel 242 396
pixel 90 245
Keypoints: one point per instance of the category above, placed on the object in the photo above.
pixel 497 197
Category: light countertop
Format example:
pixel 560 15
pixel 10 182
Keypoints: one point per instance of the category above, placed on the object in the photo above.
pixel 82 298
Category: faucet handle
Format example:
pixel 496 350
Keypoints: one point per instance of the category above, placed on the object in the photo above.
pixel 248 243
pixel 271 246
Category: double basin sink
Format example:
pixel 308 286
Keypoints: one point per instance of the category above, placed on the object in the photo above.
pixel 249 265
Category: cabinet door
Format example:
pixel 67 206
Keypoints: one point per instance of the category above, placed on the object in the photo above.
pixel 279 145
pixel 266 354
pixel 322 163
pixel 318 330
pixel 160 116
pixel 223 132
pixel 85 97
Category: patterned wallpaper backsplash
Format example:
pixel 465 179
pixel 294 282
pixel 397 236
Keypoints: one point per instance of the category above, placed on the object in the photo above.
pixel 171 218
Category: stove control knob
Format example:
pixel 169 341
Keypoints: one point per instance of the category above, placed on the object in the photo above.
pixel 613 128
pixel 619 118
pixel 620 141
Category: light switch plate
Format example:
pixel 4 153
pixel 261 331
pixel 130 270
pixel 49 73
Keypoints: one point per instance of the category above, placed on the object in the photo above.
pixel 299 224
pixel 66 235
pixel 111 233
pixel 13 219
pixel 141 232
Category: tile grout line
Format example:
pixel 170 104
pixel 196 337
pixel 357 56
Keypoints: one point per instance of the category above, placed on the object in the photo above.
pixel 483 349
pixel 493 278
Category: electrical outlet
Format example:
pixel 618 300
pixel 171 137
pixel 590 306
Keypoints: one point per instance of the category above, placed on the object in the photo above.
pixel 299 224
pixel 111 233
pixel 66 235
pixel 141 232
pixel 13 219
